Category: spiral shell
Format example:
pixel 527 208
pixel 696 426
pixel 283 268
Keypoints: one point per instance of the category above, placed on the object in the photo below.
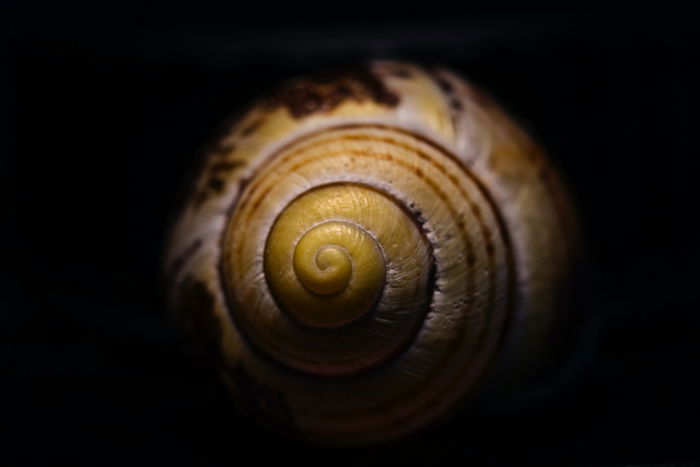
pixel 363 250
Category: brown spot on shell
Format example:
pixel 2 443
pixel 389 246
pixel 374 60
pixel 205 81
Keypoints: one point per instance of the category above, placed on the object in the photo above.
pixel 214 179
pixel 215 184
pixel 222 149
pixel 445 85
pixel 214 157
pixel 251 127
pixel 224 166
pixel 323 92
pixel 401 73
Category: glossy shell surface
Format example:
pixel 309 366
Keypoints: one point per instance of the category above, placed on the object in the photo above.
pixel 364 249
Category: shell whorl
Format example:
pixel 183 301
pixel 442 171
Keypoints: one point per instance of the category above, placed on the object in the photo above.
pixel 365 264
pixel 394 215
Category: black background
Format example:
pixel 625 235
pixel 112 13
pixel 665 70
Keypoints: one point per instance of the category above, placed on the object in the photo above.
pixel 103 111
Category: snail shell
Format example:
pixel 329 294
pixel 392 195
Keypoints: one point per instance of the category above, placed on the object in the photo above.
pixel 364 249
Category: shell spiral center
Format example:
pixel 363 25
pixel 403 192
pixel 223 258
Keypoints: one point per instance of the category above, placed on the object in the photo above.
pixel 336 272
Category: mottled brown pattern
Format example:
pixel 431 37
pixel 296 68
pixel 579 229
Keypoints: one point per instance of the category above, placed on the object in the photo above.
pixel 194 308
pixel 214 180
pixel 206 178
pixel 322 92
pixel 449 91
